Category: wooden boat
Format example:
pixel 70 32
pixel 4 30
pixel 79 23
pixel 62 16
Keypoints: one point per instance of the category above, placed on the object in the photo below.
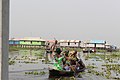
pixel 80 70
pixel 58 73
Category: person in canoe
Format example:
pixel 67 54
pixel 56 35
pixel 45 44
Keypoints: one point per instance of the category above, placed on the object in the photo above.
pixel 58 59
pixel 52 50
pixel 69 61
pixel 72 62
pixel 66 61
pixel 58 70
pixel 80 67
pixel 77 63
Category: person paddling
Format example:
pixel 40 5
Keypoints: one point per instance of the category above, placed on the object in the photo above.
pixel 52 50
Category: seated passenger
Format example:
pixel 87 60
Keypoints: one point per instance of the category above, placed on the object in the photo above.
pixel 73 58
pixel 58 59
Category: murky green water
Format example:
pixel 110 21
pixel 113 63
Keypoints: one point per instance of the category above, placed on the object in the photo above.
pixel 27 61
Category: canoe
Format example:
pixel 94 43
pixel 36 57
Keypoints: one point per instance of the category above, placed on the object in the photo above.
pixel 58 73
pixel 80 70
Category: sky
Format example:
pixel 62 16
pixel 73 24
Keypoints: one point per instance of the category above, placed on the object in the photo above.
pixel 66 19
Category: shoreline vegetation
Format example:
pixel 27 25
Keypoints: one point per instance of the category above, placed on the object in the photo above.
pixel 14 48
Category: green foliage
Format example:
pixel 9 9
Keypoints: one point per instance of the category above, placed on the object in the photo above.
pixel 11 62
pixel 14 48
pixel 35 73
pixel 90 67
pixel 42 73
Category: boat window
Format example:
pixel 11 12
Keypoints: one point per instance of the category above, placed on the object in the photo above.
pixel 68 43
pixel 48 43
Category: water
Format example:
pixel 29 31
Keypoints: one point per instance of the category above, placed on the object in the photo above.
pixel 18 70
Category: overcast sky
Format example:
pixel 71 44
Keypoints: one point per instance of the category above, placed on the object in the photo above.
pixel 66 19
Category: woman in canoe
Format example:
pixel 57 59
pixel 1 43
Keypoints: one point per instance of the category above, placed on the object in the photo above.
pixel 69 61
pixel 66 61
pixel 73 62
pixel 58 59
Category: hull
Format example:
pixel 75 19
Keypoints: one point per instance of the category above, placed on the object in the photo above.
pixel 57 73
pixel 80 70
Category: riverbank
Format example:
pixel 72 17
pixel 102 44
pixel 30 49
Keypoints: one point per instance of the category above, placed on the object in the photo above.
pixel 14 48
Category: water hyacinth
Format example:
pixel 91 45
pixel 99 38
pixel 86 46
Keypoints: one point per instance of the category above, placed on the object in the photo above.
pixel 91 67
pixel 36 73
pixel 11 62
pixel 42 73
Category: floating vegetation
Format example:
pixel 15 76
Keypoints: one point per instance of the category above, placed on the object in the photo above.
pixel 65 78
pixel 93 63
pixel 98 73
pixel 87 57
pixel 80 74
pixel 113 67
pixel 9 59
pixel 36 73
pixel 11 62
pixel 107 76
pixel 90 67
pixel 99 50
pixel 98 60
pixel 42 73
pixel 117 78
pixel 40 57
pixel 27 62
